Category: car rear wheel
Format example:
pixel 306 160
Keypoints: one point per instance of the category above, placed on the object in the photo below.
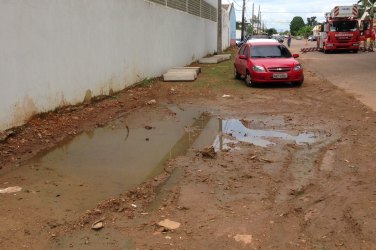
pixel 248 80
pixel 236 74
pixel 298 83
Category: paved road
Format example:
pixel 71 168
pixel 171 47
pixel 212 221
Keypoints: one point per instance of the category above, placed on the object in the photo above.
pixel 355 73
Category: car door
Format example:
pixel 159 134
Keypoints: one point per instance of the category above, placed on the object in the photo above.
pixel 243 62
pixel 238 61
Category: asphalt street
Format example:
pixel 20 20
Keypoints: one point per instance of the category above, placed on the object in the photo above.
pixel 355 73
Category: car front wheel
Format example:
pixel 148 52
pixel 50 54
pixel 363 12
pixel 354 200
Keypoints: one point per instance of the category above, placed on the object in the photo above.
pixel 298 83
pixel 248 80
pixel 236 73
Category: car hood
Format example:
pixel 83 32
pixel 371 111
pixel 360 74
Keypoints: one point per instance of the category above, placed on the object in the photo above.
pixel 275 62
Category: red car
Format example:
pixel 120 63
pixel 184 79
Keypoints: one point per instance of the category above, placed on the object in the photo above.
pixel 266 60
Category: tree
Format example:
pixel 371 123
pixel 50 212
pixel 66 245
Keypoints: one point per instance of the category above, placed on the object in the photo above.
pixel 250 29
pixel 305 31
pixel 311 21
pixel 367 4
pixel 271 31
pixel 296 24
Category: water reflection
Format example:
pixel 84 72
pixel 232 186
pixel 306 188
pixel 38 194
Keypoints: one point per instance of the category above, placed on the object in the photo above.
pixel 238 131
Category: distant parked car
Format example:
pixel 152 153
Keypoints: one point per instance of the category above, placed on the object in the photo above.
pixel 298 38
pixel 259 37
pixel 312 38
pixel 278 38
pixel 266 60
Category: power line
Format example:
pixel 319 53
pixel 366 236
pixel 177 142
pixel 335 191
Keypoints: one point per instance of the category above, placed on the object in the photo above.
pixel 282 12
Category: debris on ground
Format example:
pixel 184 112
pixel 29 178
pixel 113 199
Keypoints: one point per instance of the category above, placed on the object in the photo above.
pixel 151 102
pixel 169 224
pixel 245 238
pixel 97 225
pixel 4 135
pixel 10 190
pixel 208 152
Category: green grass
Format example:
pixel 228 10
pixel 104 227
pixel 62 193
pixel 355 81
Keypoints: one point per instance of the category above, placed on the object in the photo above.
pixel 219 76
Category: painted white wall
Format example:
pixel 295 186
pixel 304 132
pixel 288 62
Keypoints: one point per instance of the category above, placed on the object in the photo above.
pixel 54 51
pixel 225 28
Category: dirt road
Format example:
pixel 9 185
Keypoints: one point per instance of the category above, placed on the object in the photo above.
pixel 211 164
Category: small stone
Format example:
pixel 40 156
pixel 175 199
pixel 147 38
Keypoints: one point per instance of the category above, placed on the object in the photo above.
pixel 97 225
pixel 151 102
pixel 168 224
pixel 208 152
pixel 246 239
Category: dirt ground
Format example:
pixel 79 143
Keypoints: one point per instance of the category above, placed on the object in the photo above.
pixel 309 183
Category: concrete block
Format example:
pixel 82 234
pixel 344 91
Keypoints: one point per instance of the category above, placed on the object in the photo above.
pixel 209 60
pixel 179 76
pixel 184 70
pixel 223 57
pixel 197 69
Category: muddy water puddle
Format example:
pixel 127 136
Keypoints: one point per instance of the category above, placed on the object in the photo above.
pixel 105 162
pixel 242 131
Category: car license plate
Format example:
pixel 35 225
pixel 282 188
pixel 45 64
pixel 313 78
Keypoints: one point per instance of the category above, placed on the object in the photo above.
pixel 280 75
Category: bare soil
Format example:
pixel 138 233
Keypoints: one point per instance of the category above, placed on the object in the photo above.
pixel 287 195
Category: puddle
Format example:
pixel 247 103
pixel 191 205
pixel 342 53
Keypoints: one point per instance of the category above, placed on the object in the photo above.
pixel 102 163
pixel 61 184
pixel 238 131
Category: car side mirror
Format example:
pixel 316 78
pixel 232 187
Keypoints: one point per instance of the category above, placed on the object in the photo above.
pixel 295 55
pixel 243 57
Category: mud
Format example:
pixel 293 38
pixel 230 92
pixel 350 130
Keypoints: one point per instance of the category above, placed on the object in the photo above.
pixel 293 169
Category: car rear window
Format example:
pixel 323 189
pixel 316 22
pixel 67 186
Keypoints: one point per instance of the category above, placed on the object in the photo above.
pixel 270 51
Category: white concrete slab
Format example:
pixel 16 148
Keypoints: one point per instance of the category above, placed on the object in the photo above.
pixel 179 76
pixel 197 69
pixel 183 70
pixel 223 57
pixel 209 60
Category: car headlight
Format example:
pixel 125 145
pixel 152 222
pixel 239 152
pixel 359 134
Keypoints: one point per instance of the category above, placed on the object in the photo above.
pixel 298 67
pixel 259 69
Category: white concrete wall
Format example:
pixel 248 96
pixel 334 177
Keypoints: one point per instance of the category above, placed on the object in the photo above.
pixel 225 29
pixel 53 52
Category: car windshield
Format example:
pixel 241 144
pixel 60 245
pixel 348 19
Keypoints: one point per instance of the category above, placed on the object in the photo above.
pixel 270 51
pixel 344 26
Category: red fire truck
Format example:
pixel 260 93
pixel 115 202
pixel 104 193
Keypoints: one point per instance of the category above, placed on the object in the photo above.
pixel 340 30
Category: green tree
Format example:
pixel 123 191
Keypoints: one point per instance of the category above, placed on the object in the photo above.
pixel 250 29
pixel 311 21
pixel 271 31
pixel 296 24
pixel 366 5
pixel 305 31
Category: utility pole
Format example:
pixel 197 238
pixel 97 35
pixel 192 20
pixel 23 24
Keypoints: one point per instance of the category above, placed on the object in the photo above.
pixel 259 21
pixel 253 18
pixel 219 30
pixel 243 24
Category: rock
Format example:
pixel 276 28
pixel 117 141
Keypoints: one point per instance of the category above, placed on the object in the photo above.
pixel 168 224
pixel 9 190
pixel 6 134
pixel 245 238
pixel 208 152
pixel 97 225
pixel 153 101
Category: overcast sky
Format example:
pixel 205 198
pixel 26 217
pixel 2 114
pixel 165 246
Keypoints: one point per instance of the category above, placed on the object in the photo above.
pixel 279 13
